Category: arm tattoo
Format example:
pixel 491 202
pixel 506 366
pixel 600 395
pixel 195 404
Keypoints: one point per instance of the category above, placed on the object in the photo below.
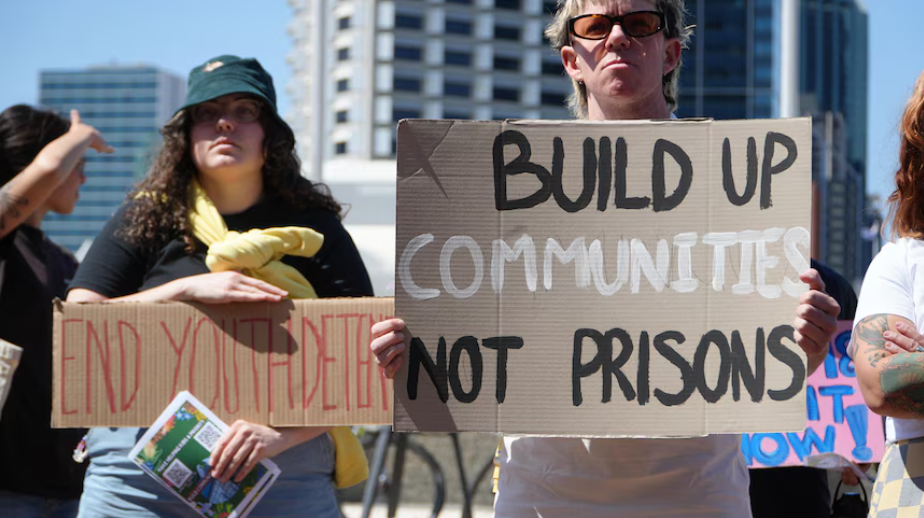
pixel 10 205
pixel 870 330
pixel 901 376
pixel 902 382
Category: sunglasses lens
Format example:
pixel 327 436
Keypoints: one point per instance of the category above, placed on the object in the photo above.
pixel 592 27
pixel 641 24
pixel 598 27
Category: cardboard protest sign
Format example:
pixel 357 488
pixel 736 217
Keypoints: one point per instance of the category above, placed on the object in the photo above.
pixel 295 363
pixel 630 278
pixel 838 419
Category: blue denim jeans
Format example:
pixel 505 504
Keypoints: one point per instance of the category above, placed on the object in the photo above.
pixel 18 505
pixel 114 486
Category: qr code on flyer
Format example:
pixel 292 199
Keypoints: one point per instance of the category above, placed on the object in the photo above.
pixel 208 436
pixel 177 473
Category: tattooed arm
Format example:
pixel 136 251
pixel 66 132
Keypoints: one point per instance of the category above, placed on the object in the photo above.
pixel 892 384
pixel 25 195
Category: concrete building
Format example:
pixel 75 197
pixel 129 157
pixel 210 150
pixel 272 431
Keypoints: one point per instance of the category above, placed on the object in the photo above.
pixel 360 66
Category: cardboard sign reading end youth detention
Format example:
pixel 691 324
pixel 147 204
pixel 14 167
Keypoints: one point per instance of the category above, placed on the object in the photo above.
pixel 634 278
pixel 295 363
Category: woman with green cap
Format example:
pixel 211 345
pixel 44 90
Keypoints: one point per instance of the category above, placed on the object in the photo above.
pixel 189 231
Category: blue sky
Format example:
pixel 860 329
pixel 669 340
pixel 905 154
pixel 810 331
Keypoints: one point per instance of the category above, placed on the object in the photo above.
pixel 171 34
pixel 895 62
pixel 177 35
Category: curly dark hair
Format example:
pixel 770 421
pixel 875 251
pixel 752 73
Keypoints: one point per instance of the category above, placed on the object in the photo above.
pixel 157 209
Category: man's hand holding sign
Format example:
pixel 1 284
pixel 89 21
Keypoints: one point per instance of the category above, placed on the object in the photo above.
pixel 816 319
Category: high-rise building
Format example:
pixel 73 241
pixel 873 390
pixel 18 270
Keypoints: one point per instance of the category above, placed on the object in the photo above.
pixel 840 199
pixel 734 67
pixel 834 71
pixel 361 66
pixel 729 70
pixel 128 104
pixel 835 67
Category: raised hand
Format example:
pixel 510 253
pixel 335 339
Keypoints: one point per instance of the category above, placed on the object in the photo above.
pixel 94 138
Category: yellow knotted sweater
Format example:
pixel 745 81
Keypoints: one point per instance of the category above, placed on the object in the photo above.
pixel 257 253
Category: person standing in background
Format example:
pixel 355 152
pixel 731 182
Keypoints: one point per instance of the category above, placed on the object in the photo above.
pixel 41 171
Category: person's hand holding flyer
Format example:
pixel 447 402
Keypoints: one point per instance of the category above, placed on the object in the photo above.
pixel 176 451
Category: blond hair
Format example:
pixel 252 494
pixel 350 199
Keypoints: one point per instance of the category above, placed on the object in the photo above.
pixel 675 27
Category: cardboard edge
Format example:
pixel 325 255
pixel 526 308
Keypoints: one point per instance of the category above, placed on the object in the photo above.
pixel 57 308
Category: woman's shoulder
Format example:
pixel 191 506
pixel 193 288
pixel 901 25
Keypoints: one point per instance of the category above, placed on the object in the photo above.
pixel 904 251
pixel 905 243
pixel 897 261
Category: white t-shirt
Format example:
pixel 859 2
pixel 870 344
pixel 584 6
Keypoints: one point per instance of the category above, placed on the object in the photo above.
pixel 891 286
pixel 553 477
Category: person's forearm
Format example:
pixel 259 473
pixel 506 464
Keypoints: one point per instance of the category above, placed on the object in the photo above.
pixel 901 381
pixel 892 385
pixel 173 290
pixel 60 157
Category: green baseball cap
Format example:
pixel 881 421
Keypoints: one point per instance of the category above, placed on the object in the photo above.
pixel 229 74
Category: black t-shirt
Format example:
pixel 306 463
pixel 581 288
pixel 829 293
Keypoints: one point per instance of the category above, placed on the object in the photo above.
pixel 115 268
pixel 34 458
pixel 798 492
pixel 838 287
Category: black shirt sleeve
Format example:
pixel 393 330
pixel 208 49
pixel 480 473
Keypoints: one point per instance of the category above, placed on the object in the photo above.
pixel 839 288
pixel 337 270
pixel 112 267
pixel 6 244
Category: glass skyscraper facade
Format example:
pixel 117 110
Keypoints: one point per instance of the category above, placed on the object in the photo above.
pixel 729 70
pixel 834 70
pixel 128 105
pixel 835 66
pixel 732 70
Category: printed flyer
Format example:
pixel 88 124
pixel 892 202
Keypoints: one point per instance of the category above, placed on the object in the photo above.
pixel 175 451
